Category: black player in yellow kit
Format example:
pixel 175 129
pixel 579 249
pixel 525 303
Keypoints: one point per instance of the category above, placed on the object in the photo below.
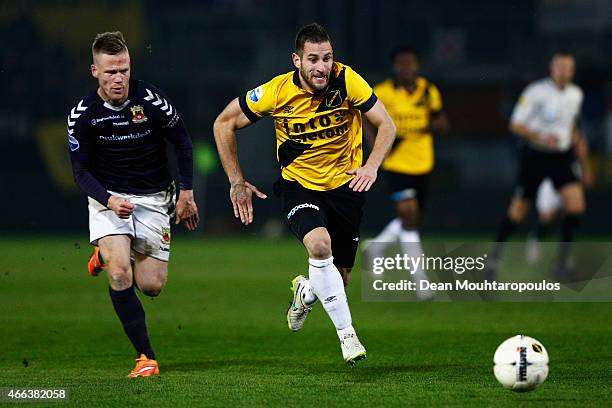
pixel 415 105
pixel 317 111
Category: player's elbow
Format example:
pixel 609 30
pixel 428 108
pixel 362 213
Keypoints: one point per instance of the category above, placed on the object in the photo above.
pixel 514 127
pixel 79 174
pixel 440 125
pixel 223 124
pixel 390 126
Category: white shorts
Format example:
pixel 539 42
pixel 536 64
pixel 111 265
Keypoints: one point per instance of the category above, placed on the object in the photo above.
pixel 547 198
pixel 148 226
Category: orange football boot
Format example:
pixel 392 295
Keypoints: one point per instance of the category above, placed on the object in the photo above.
pixel 144 367
pixel 95 265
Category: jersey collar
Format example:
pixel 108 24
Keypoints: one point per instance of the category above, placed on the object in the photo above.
pixel 296 78
pixel 418 84
pixel 117 108
pixel 554 85
pixel 133 84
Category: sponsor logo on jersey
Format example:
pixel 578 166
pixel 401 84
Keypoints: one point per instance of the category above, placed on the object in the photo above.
pixel 322 127
pixel 138 115
pixel 288 109
pixel 166 235
pixel 121 138
pixel 112 117
pixel 256 94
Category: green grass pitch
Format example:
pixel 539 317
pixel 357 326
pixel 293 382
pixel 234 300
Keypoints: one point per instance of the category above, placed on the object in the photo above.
pixel 221 338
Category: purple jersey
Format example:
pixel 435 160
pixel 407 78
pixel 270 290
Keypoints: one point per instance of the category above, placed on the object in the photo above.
pixel 123 148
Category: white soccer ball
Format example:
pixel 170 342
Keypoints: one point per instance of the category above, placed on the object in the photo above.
pixel 520 363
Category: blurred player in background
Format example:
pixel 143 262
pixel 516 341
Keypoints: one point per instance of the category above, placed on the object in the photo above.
pixel 415 105
pixel 117 138
pixel 317 112
pixel 548 202
pixel 545 117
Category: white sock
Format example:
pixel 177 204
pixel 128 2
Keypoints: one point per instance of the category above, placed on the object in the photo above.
pixel 391 232
pixel 308 296
pixel 378 246
pixel 343 332
pixel 329 288
pixel 409 236
pixel 410 242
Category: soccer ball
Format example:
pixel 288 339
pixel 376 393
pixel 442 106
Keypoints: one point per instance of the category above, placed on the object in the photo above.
pixel 520 363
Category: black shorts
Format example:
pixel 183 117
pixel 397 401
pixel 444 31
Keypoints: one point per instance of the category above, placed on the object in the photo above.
pixel 339 211
pixel 408 186
pixel 535 166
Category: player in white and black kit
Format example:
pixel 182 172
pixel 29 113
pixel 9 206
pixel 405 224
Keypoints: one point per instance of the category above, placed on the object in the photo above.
pixel 545 117
pixel 117 138
pixel 548 202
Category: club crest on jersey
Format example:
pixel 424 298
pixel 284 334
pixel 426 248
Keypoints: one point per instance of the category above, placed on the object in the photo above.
pixel 255 94
pixel 165 235
pixel 333 99
pixel 138 115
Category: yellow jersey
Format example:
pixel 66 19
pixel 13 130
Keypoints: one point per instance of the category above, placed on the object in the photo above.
pixel 318 135
pixel 412 151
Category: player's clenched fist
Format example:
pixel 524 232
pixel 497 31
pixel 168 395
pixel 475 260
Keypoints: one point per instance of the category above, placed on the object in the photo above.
pixel 121 206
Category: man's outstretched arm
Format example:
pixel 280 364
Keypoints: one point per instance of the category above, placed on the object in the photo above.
pixel 229 120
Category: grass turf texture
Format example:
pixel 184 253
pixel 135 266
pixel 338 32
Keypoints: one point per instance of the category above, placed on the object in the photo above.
pixel 221 338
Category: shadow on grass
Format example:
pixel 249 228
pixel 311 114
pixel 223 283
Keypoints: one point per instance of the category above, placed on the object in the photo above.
pixel 272 366
pixel 207 365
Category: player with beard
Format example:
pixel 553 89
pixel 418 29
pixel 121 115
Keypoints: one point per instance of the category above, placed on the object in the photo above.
pixel 317 112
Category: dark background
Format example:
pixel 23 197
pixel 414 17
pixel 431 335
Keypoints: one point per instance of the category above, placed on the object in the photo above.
pixel 203 53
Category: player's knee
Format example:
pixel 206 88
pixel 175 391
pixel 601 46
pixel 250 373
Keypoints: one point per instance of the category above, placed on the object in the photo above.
pixel 575 207
pixel 546 217
pixel 120 276
pixel 408 212
pixel 151 289
pixel 518 211
pixel 320 248
pixel 153 285
pixel 410 221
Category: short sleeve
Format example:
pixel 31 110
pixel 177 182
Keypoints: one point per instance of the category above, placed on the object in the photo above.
pixel 525 106
pixel 435 99
pixel 359 92
pixel 580 98
pixel 260 101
